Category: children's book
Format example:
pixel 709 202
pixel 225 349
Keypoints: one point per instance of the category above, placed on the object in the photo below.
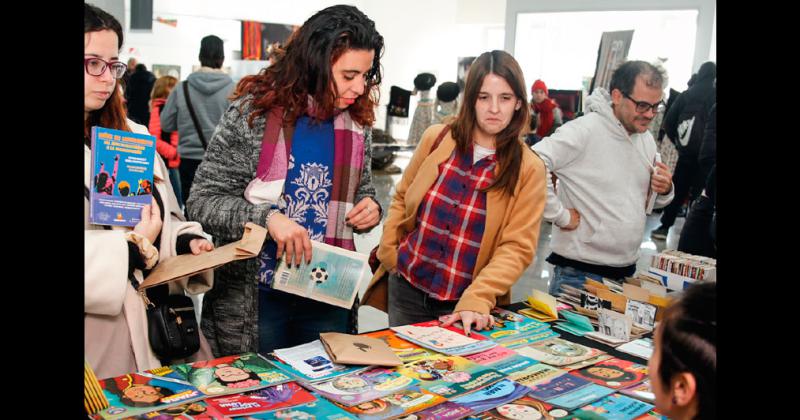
pixel 405 350
pixel 531 339
pixel 576 323
pixel 450 376
pixel 398 404
pixel 320 409
pixel 543 306
pixel 509 326
pixel 448 340
pixel 198 410
pixel 525 408
pixel 642 347
pixel 361 387
pixel 641 391
pixel 121 176
pixel 502 359
pixel 311 363
pixel 334 275
pixel 492 396
pixel 614 373
pixel 225 375
pixel 134 394
pixel 618 407
pixel 448 410
pixel 272 398
pixel 587 362
pixel 569 391
pixel 558 352
pixel 536 374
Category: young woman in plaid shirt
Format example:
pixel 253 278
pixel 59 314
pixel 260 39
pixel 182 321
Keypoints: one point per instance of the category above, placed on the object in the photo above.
pixel 464 221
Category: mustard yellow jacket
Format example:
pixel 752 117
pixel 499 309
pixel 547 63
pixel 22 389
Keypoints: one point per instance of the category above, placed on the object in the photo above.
pixel 509 238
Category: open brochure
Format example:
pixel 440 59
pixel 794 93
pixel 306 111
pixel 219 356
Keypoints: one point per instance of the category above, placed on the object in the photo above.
pixel 334 275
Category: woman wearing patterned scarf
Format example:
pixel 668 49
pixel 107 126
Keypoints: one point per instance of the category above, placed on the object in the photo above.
pixel 291 153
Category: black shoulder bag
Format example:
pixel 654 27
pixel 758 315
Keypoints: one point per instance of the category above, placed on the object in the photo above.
pixel 171 322
pixel 194 116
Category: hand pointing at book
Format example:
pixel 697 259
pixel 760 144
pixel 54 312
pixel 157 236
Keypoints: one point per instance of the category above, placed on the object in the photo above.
pixel 481 321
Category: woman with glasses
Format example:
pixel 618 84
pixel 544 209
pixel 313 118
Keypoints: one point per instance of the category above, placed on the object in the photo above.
pixel 291 153
pixel 115 322
pixel 464 221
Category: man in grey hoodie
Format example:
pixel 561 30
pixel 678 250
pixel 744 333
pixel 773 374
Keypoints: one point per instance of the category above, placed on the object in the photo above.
pixel 606 168
pixel 209 89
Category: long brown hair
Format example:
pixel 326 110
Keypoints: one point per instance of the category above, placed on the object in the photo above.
pixel 304 66
pixel 112 114
pixel 508 141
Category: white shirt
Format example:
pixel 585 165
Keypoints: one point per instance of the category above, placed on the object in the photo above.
pixel 479 152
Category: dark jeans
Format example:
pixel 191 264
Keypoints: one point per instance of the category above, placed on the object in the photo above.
pixel 287 320
pixel 409 305
pixel 696 236
pixel 570 276
pixel 688 182
pixel 187 169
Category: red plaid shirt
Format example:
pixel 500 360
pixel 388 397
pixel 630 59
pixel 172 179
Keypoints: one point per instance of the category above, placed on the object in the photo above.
pixel 439 256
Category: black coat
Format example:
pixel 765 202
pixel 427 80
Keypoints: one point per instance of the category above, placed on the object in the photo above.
pixel 694 102
pixel 138 95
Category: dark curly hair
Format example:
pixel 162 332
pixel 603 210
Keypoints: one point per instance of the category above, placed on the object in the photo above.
pixel 304 68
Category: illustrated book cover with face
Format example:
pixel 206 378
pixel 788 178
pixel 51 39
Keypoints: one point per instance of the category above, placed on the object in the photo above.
pixel 405 350
pixel 134 394
pixel 395 405
pixel 197 410
pixel 121 180
pixel 317 410
pixel 356 388
pixel 558 352
pixel 226 375
pixel 450 376
pixel 271 398
pixel 618 407
pixel 525 408
pixel 614 373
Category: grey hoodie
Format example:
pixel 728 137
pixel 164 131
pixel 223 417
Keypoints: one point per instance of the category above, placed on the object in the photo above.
pixel 209 90
pixel 604 174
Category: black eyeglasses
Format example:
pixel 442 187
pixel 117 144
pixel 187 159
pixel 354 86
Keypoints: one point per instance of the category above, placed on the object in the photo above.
pixel 642 107
pixel 96 66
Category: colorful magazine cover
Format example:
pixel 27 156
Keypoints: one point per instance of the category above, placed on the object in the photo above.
pixel 134 394
pixel 569 391
pixel 198 410
pixel 448 340
pixel 492 396
pixel 227 375
pixel 618 407
pixel 121 176
pixel 536 374
pixel 361 387
pixel 310 362
pixel 317 410
pixel 531 339
pixel 525 408
pixel 509 326
pixel 445 411
pixel 272 398
pixel 558 352
pixel 614 373
pixel 398 404
pixel 405 350
pixel 449 376
pixel 502 359
pixel 641 391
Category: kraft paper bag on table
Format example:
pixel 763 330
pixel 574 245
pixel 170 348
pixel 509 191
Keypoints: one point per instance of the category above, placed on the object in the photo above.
pixel 181 266
pixel 358 350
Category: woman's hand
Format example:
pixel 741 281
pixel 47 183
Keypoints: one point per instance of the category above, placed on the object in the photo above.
pixel 150 225
pixel 290 237
pixel 199 246
pixel 481 321
pixel 364 215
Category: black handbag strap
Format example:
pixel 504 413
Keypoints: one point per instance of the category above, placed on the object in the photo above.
pixel 194 116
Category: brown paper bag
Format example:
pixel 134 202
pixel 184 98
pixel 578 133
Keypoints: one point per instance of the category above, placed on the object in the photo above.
pixel 180 266
pixel 350 349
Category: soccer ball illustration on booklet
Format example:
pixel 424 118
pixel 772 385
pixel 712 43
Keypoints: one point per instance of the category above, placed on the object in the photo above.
pixel 319 274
